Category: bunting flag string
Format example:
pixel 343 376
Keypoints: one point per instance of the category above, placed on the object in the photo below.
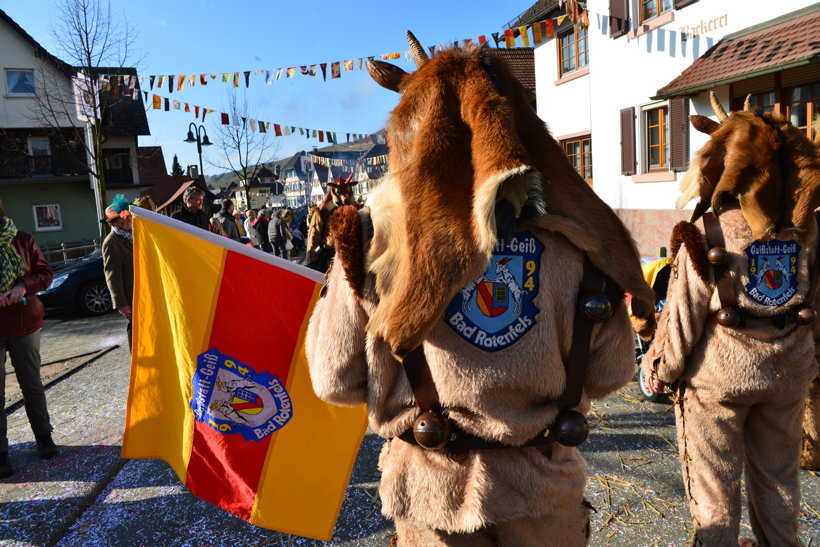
pixel 161 103
pixel 349 163
pixel 527 35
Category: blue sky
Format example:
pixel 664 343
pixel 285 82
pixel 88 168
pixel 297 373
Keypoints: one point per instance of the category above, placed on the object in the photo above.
pixel 215 36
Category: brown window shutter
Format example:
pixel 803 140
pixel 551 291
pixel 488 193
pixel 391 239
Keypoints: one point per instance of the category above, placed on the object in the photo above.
pixel 678 134
pixel 618 18
pixel 628 141
pixel 683 3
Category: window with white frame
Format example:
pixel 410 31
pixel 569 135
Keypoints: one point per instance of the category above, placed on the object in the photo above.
pixel 656 137
pixel 20 82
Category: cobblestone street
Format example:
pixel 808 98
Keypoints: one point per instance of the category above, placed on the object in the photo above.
pixel 88 495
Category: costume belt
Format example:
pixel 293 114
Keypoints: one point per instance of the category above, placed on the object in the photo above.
pixel 434 430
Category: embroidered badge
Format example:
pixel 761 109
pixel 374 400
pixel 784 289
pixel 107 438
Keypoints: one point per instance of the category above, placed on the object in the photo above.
pixel 496 309
pixel 232 398
pixel 772 271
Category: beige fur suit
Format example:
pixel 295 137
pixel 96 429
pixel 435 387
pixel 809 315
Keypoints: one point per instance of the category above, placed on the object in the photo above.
pixel 508 496
pixel 741 394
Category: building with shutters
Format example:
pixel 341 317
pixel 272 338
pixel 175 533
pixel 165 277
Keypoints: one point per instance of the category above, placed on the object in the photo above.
pixel 618 94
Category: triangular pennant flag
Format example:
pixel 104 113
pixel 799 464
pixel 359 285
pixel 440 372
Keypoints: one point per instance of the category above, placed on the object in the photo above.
pixel 432 50
pixel 359 63
pixel 202 80
pixel 268 77
pixel 335 70
pixel 176 105
pixel 181 82
pixel 205 112
pixel 187 107
pixel 192 80
pixel 167 104
pixel 496 38
pixel 171 84
pixel 161 81
pixel 244 121
pixel 321 136
pixel 236 79
pixel 550 29
pixel 214 76
pixel 585 20
pixel 226 77
pixel 348 64
pixel 278 73
pixel 247 78
pixel 277 129
pixel 253 126
pixel 196 112
pixel 482 39
pixel 145 95
pixel 312 70
pixel 225 119
pixel 262 127
pixel 286 131
pixel 157 102
pixel 323 66
pixel 291 72
pixel 151 82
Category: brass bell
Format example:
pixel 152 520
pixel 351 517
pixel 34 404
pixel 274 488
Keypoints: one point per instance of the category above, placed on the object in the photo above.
pixel 570 428
pixel 806 315
pixel 717 256
pixel 432 430
pixel 597 308
pixel 728 317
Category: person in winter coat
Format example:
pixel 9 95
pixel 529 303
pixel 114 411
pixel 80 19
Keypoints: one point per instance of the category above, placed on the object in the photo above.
pixel 738 337
pixel 260 228
pixel 279 232
pixel 24 272
pixel 193 199
pixel 118 259
pixel 227 221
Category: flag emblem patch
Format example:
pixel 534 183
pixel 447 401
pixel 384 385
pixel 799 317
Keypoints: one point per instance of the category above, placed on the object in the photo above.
pixel 496 309
pixel 772 270
pixel 231 397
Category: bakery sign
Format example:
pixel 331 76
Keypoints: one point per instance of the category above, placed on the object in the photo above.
pixel 704 26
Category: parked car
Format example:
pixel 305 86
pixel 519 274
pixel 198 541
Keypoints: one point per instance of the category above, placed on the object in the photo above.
pixel 79 286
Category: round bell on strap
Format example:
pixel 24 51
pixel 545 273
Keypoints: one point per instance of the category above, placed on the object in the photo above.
pixel 728 317
pixel 570 428
pixel 432 430
pixel 717 256
pixel 806 315
pixel 597 308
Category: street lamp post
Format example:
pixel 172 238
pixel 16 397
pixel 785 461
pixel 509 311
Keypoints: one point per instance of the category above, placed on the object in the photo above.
pixel 200 140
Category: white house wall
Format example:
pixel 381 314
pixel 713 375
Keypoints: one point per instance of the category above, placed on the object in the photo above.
pixel 626 72
pixel 17 53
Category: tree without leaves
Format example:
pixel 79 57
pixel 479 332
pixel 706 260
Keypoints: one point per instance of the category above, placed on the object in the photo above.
pixel 243 150
pixel 176 168
pixel 92 42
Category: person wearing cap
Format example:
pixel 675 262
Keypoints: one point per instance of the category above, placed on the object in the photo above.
pixel 24 271
pixel 118 258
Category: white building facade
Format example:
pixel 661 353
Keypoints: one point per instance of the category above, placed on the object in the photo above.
pixel 598 91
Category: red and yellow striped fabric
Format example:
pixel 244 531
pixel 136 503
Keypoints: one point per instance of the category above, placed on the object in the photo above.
pixel 219 381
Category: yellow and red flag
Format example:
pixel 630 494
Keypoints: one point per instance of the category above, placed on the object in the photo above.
pixel 220 388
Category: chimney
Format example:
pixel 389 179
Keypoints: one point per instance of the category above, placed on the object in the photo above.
pixel 193 171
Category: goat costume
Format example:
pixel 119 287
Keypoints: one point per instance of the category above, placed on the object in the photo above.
pixel 408 274
pixel 320 247
pixel 743 371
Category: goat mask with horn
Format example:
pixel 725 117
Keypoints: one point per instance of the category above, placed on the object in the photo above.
pixel 763 161
pixel 469 157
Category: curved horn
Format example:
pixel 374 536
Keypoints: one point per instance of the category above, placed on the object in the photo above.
pixel 719 112
pixel 747 104
pixel 419 55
